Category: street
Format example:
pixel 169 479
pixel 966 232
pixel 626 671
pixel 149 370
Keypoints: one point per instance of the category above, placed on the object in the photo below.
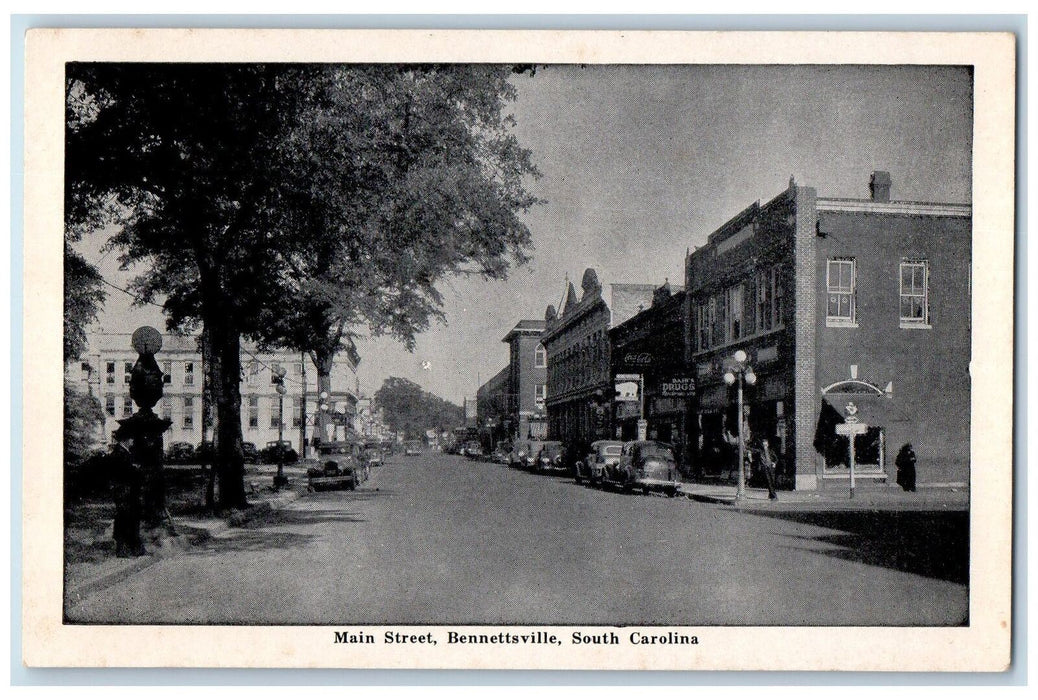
pixel 440 539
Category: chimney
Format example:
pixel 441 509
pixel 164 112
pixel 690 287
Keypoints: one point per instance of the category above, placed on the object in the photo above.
pixel 879 185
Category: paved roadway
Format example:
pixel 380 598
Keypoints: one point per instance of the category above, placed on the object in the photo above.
pixel 439 539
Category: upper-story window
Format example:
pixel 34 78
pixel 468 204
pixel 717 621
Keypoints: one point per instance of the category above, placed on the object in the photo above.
pixel 253 411
pixel 189 373
pixel 167 372
pixel 734 298
pixel 540 357
pixel 188 417
pixel 127 370
pixel 109 373
pixel 540 393
pixel 915 294
pixel 127 406
pixel 840 292
pixel 110 404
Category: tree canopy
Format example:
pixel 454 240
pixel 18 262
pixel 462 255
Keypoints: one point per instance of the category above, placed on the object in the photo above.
pixel 297 204
pixel 411 409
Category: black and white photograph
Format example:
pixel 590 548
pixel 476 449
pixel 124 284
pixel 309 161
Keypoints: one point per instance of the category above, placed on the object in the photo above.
pixel 549 358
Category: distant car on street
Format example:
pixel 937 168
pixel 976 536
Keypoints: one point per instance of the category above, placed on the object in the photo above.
pixel 501 453
pixel 473 450
pixel 412 448
pixel 644 464
pixel 180 453
pixel 339 467
pixel 591 467
pixel 275 451
pixel 373 454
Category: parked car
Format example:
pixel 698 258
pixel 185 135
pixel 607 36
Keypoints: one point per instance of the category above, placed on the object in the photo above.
pixel 180 453
pixel 275 451
pixel 501 453
pixel 647 465
pixel 473 450
pixel 549 457
pixel 520 456
pixel 412 448
pixel 592 467
pixel 251 452
pixel 338 468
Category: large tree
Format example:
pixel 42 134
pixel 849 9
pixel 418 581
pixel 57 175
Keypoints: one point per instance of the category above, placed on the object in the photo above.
pixel 436 186
pixel 250 189
pixel 411 410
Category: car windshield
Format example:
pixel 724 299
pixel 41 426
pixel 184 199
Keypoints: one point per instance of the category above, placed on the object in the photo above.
pixel 610 450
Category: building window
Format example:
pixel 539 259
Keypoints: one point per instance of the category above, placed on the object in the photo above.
pixel 253 411
pixel 110 405
pixel 297 411
pixel 109 373
pixel 84 371
pixel 840 288
pixel 275 414
pixel 540 393
pixel 765 299
pixel 540 357
pixel 127 406
pixel 165 409
pixel 189 413
pixel 167 372
pixel 127 369
pixel 733 302
pixel 915 293
pixel 189 374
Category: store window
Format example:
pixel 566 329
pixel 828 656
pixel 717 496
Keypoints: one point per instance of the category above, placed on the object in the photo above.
pixel 840 292
pixel 915 294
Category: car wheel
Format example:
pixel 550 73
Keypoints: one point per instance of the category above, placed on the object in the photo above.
pixel 645 490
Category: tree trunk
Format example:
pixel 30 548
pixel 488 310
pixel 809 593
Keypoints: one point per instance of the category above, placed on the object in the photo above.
pixel 230 462
pixel 209 373
pixel 323 360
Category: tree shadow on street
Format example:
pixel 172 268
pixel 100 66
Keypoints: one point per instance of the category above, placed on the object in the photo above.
pixel 251 541
pixel 934 544
pixel 302 517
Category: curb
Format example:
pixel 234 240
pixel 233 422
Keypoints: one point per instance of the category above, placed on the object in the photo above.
pixel 191 533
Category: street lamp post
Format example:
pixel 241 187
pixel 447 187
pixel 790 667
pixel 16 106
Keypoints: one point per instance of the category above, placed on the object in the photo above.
pixel 279 380
pixel 740 371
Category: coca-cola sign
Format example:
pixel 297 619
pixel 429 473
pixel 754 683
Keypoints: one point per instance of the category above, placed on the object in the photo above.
pixel 638 359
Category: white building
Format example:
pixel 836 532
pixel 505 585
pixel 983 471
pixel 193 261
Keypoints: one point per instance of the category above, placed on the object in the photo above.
pixel 104 371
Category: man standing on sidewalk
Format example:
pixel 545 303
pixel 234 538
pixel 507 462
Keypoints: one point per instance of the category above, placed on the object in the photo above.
pixel 126 493
pixel 767 463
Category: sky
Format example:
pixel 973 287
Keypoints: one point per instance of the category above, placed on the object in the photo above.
pixel 640 163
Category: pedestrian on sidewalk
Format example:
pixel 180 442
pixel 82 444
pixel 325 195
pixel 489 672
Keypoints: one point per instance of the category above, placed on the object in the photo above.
pixel 905 462
pixel 766 457
pixel 126 493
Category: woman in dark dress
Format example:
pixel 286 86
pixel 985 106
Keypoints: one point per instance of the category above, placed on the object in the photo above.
pixel 906 467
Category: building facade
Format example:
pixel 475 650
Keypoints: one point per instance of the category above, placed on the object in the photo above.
pixel 850 311
pixel 104 372
pixel 525 387
pixel 651 346
pixel 576 341
pixel 492 410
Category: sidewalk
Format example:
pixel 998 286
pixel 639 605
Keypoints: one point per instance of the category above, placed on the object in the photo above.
pixel 94 565
pixel 867 497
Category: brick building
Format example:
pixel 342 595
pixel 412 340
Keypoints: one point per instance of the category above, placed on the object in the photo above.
pixel 492 409
pixel 526 383
pixel 104 372
pixel 848 309
pixel 651 344
pixel 576 341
